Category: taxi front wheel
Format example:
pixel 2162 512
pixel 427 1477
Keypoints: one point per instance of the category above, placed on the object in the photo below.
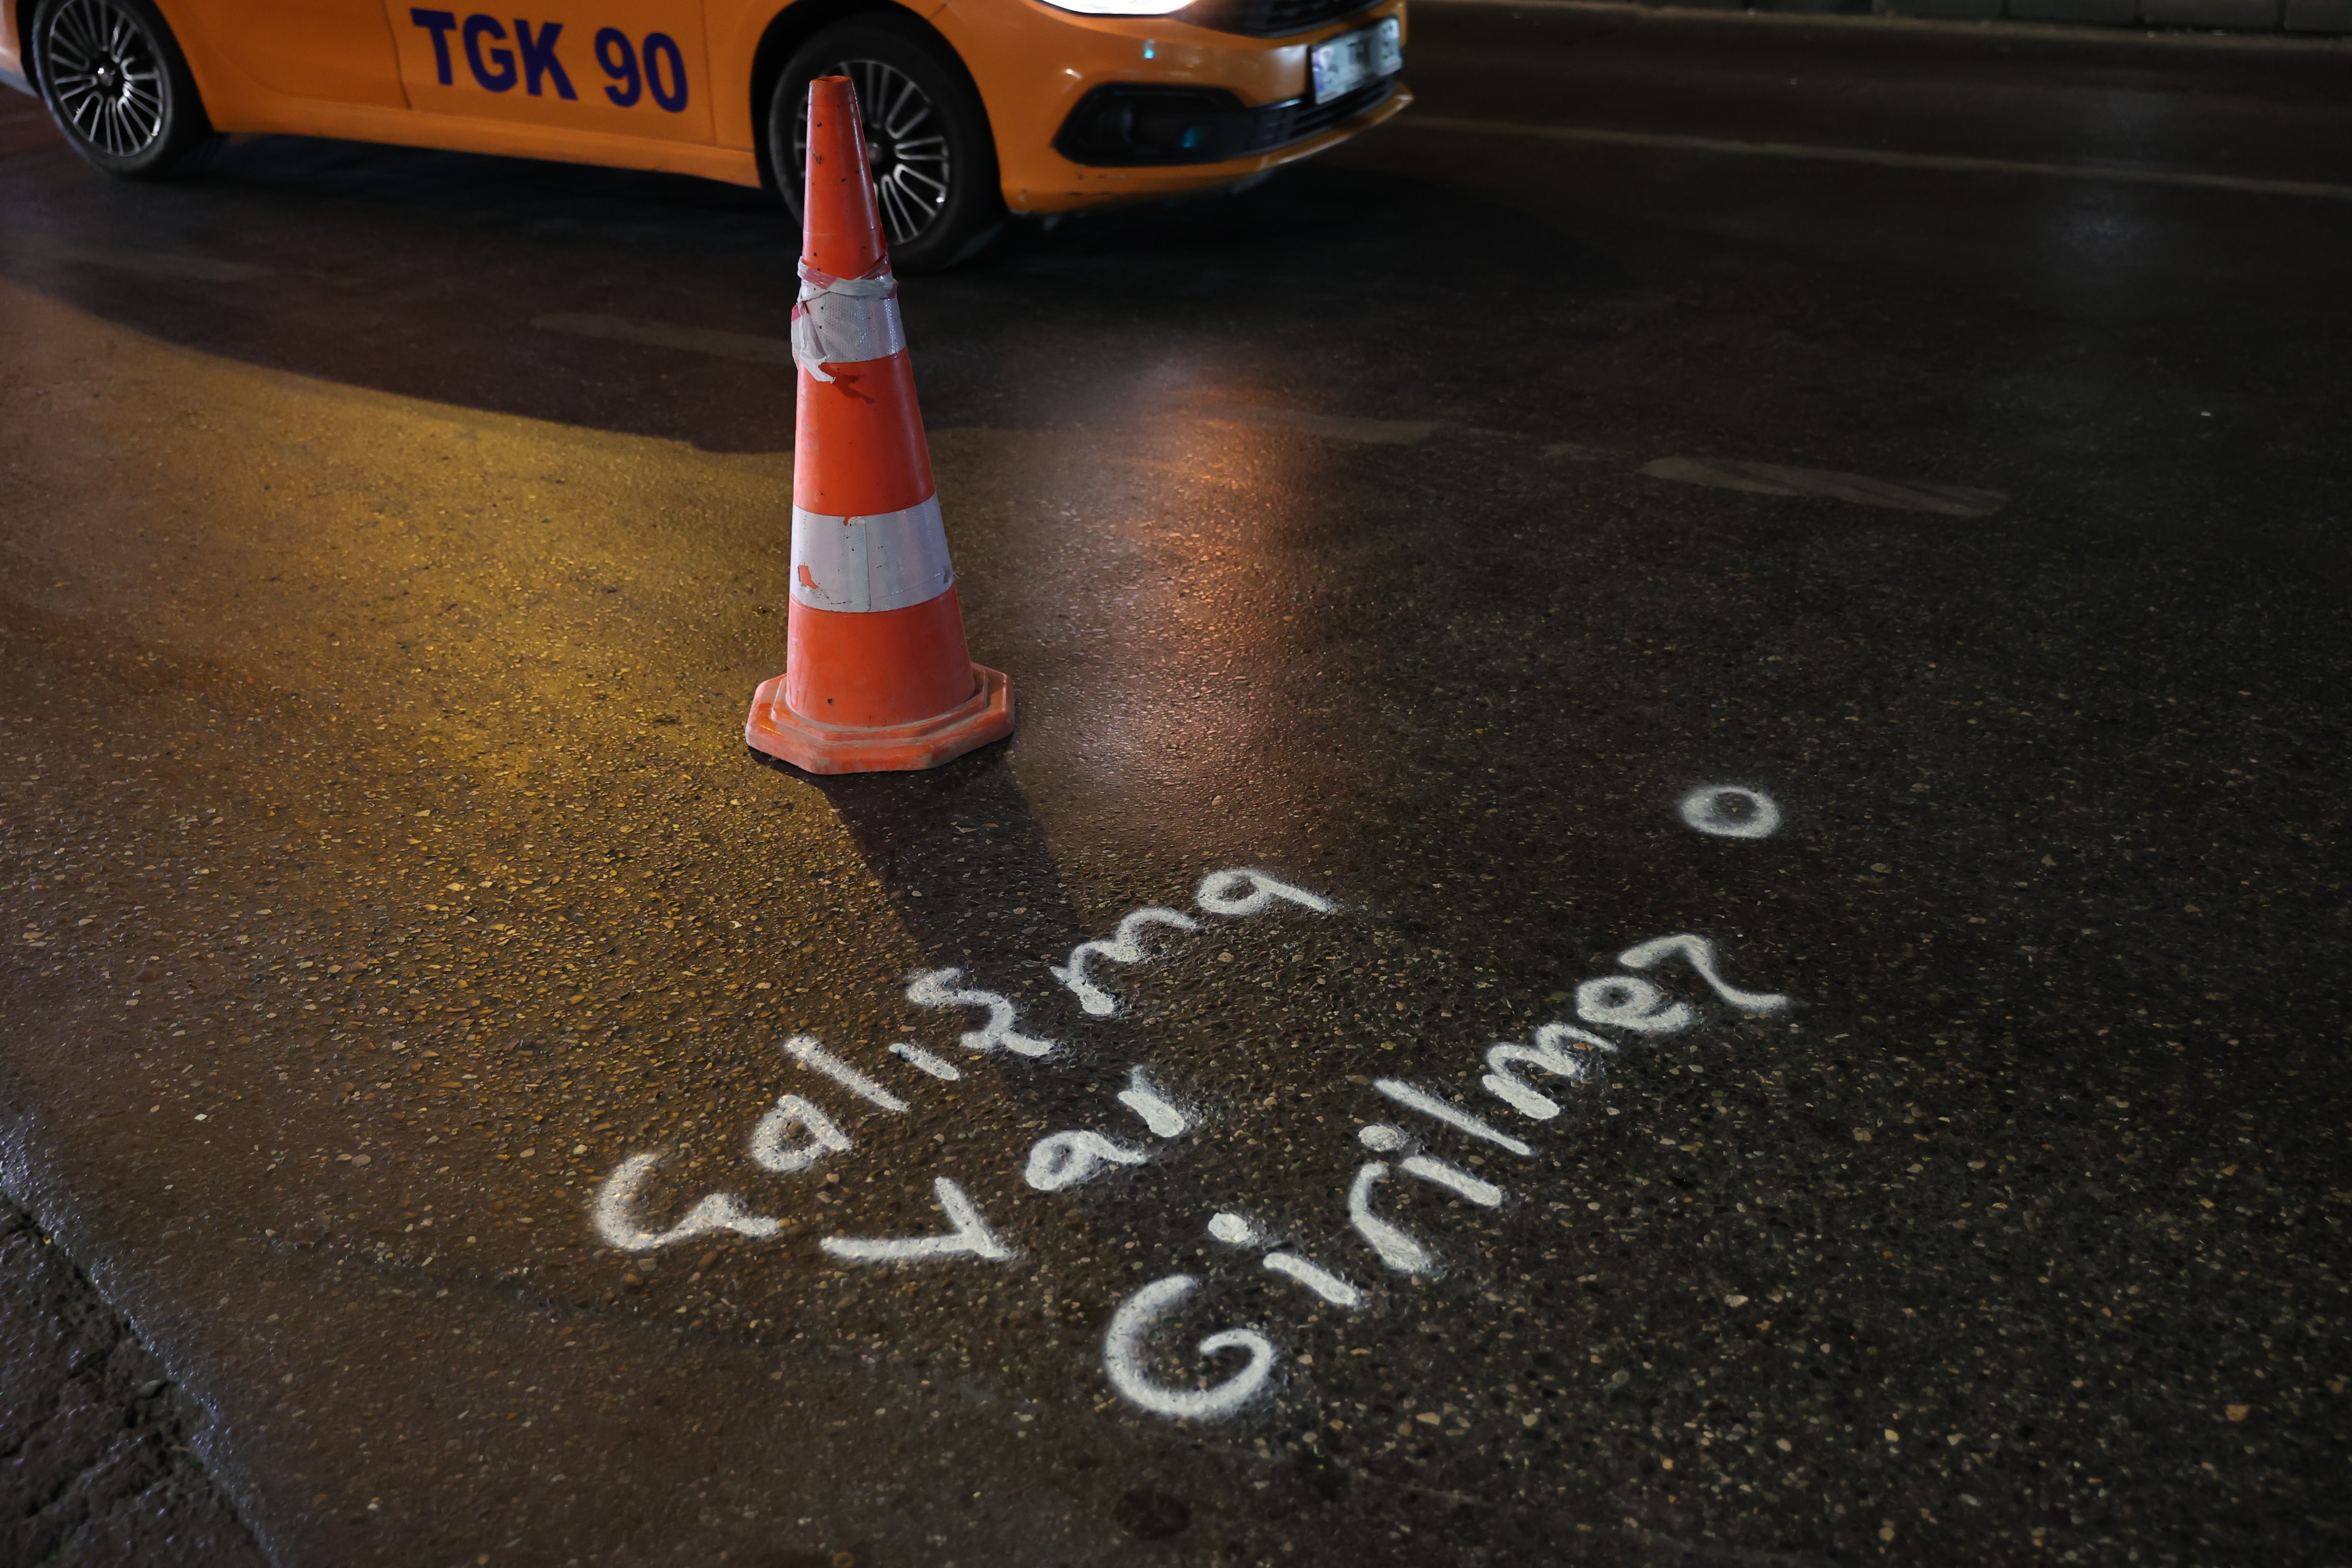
pixel 117 84
pixel 927 136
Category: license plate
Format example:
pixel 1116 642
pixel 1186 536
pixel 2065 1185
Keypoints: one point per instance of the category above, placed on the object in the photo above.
pixel 1341 65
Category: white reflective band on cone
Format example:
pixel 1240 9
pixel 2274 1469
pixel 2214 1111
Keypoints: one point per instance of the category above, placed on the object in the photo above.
pixel 844 320
pixel 884 562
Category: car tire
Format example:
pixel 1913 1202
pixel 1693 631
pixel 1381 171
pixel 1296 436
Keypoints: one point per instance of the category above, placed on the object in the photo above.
pixel 118 87
pixel 934 158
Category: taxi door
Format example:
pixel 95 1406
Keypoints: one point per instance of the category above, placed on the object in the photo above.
pixel 627 68
pixel 338 50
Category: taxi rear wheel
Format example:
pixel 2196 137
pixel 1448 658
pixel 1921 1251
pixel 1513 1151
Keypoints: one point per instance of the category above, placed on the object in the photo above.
pixel 117 84
pixel 926 137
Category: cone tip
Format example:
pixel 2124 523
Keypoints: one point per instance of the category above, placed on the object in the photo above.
pixel 842 228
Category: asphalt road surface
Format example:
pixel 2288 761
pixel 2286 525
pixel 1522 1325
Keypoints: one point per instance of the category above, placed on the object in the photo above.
pixel 1814 554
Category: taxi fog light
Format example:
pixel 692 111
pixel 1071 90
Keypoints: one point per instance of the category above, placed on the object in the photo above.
pixel 1139 122
pixel 1135 124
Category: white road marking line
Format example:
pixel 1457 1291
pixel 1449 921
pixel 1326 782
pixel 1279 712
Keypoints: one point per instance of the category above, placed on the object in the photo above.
pixel 1777 479
pixel 662 335
pixel 2006 33
pixel 162 264
pixel 2115 173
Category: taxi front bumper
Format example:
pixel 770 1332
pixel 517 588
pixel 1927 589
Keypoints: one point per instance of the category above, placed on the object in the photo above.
pixel 1143 124
pixel 1132 109
pixel 1099 186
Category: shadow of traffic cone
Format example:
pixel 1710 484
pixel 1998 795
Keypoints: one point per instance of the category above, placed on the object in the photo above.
pixel 876 675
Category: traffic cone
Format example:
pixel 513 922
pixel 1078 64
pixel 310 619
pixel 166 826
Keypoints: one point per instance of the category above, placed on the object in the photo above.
pixel 877 678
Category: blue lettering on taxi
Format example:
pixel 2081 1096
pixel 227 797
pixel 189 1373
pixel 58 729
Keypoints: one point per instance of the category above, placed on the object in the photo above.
pixel 502 78
pixel 539 59
pixel 657 67
pixel 438 23
pixel 658 47
pixel 620 63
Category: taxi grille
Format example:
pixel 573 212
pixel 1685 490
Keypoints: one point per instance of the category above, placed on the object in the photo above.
pixel 1313 119
pixel 1271 18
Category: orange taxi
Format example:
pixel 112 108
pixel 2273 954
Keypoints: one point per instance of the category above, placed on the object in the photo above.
pixel 973 107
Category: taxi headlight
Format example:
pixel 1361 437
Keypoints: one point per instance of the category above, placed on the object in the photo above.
pixel 1120 7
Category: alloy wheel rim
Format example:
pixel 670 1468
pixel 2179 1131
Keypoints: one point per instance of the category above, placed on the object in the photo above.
pixel 105 76
pixel 906 145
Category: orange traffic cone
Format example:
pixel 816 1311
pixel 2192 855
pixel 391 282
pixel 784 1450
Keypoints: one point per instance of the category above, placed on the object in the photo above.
pixel 876 675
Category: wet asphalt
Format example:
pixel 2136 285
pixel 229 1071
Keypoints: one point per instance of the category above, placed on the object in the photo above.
pixel 395 540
